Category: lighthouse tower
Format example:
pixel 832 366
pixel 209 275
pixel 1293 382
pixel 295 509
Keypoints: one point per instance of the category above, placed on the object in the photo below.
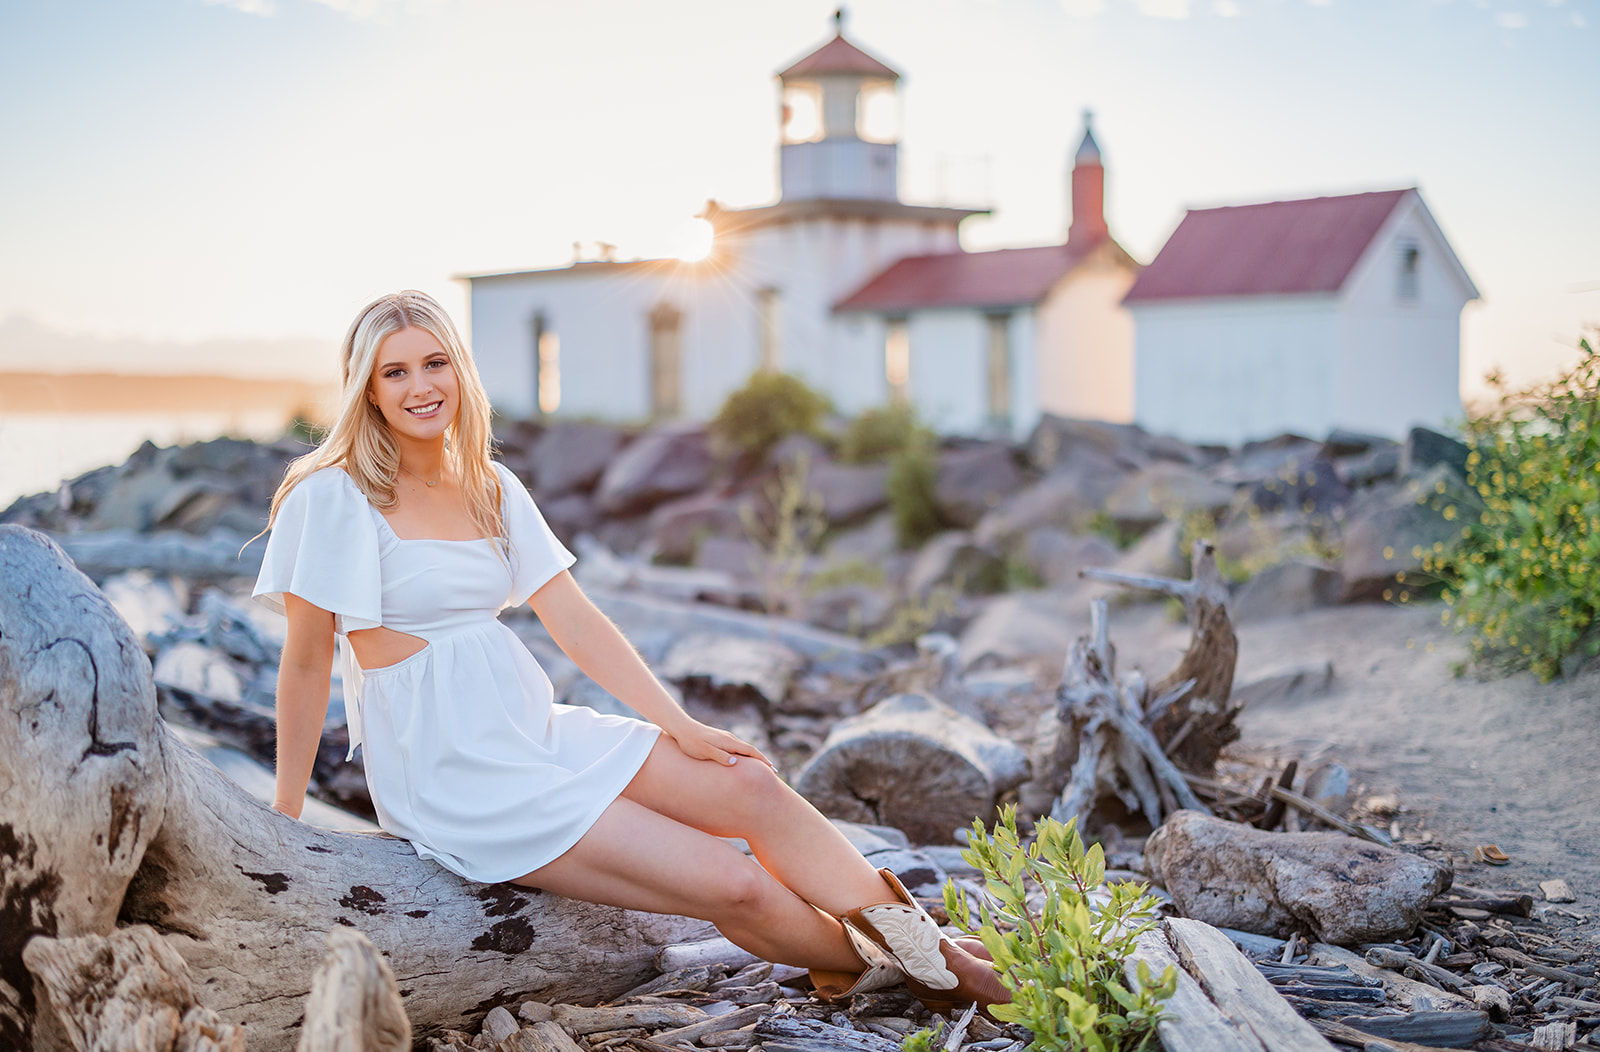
pixel 840 121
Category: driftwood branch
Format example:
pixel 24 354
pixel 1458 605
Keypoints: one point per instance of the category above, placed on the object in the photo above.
pixel 110 818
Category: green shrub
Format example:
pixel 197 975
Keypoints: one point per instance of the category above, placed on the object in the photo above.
pixel 877 434
pixel 1062 962
pixel 1524 578
pixel 767 409
pixel 913 475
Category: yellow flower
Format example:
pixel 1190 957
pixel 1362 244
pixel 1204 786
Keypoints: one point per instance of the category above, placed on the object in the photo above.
pixel 1450 511
pixel 1388 552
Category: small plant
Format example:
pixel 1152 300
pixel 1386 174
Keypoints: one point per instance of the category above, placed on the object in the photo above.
pixel 913 476
pixel 767 409
pixel 916 616
pixel 921 1041
pixel 1062 960
pixel 877 434
pixel 792 534
pixel 1524 576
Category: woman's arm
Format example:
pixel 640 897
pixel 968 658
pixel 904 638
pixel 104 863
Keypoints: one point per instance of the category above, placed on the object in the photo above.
pixel 588 637
pixel 303 677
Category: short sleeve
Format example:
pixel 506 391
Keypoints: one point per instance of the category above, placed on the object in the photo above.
pixel 536 556
pixel 324 549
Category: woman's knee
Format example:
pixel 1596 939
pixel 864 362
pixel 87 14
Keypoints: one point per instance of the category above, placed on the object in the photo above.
pixel 756 789
pixel 743 889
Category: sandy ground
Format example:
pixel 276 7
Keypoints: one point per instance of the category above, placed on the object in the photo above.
pixel 1508 761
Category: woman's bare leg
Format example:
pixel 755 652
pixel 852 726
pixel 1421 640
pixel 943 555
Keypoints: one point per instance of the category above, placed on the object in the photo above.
pixel 792 839
pixel 636 858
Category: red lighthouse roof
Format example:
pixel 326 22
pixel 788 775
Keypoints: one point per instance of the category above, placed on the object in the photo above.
pixel 839 56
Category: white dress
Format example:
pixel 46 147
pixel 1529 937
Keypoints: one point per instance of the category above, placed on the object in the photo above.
pixel 466 754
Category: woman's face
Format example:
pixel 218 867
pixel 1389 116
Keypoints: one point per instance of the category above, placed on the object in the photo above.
pixel 414 385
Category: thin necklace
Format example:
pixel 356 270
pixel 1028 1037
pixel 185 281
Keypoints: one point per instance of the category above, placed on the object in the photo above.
pixel 419 478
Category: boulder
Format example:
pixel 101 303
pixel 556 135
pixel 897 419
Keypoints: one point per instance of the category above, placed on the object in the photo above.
pixel 1276 457
pixel 953 559
pixel 1165 490
pixel 1424 449
pixel 1342 443
pixel 678 527
pixel 199 670
pixel 571 455
pixel 1158 552
pixel 856 608
pixel 738 556
pixel 1023 627
pixel 849 492
pixel 1069 497
pixel 729 669
pixel 874 543
pixel 129 502
pixel 1393 526
pixel 1309 487
pixel 570 515
pixel 1057 440
pixel 1291 587
pixel 1375 465
pixel 1252 540
pixel 1056 556
pixel 973 480
pixel 1341 890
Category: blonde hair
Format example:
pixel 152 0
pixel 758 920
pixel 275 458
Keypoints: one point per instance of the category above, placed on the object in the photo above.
pixel 360 440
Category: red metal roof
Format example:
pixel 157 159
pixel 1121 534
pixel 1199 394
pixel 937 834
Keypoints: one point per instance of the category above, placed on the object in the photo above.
pixel 1277 248
pixel 1006 277
pixel 839 56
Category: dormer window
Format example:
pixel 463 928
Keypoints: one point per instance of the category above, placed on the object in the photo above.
pixel 1410 260
pixel 802 112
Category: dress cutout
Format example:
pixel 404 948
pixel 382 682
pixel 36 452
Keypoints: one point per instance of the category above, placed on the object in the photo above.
pixel 467 755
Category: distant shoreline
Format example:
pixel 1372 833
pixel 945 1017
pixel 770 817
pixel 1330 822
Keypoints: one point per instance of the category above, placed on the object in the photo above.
pixel 107 392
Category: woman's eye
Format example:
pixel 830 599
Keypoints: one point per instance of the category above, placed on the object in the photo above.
pixel 437 362
pixel 392 373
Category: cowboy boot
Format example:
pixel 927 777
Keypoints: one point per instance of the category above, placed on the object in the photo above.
pixel 878 971
pixel 940 973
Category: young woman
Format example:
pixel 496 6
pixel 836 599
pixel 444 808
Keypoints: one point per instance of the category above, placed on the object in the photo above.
pixel 399 534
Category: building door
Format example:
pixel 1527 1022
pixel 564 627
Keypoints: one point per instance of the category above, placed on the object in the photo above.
pixel 999 370
pixel 666 366
pixel 546 367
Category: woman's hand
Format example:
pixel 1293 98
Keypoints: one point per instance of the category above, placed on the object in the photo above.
pixel 701 742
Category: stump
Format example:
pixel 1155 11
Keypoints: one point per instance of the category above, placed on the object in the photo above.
pixel 108 818
pixel 913 763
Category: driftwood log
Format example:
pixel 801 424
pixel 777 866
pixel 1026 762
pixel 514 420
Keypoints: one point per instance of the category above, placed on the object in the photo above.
pixel 1100 745
pixel 355 1003
pixel 106 818
pixel 1194 729
pixel 914 763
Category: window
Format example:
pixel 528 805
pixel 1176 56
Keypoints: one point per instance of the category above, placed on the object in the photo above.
pixel 770 305
pixel 666 348
pixel 999 361
pixel 897 359
pixel 802 113
pixel 878 112
pixel 546 367
pixel 1410 257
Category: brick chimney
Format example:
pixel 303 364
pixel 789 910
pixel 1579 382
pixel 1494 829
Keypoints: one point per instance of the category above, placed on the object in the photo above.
pixel 1088 189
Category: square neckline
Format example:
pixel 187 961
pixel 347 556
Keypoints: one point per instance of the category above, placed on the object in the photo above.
pixel 384 519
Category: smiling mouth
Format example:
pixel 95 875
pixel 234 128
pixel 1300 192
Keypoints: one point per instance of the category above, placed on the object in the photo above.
pixel 424 410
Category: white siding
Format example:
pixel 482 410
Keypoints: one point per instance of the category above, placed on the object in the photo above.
pixel 1236 369
pixel 1085 347
pixel 1401 359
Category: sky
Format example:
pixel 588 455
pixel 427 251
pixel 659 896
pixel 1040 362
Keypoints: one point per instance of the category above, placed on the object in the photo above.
pixel 244 174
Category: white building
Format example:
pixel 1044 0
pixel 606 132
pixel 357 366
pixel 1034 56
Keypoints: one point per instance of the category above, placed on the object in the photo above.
pixel 1300 316
pixel 866 297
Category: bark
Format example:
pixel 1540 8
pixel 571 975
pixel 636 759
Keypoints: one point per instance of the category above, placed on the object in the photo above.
pixel 355 1003
pixel 108 817
pixel 913 763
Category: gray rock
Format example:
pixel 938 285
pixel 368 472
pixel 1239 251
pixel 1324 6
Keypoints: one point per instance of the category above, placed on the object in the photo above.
pixel 738 556
pixel 1345 891
pixel 586 692
pixel 873 543
pixel 1311 488
pixel 855 609
pixel 1057 440
pixel 1425 448
pixel 1165 490
pixel 194 505
pixel 732 669
pixel 1393 526
pixel 1057 556
pixel 1252 540
pixel 971 481
pixel 199 670
pixel 1375 465
pixel 1329 787
pixel 129 503
pixel 1023 627
pixel 1291 587
pixel 103 553
pixel 673 460
pixel 1342 443
pixel 498 1025
pixel 849 492
pixel 1276 457
pixel 151 606
pixel 572 455
pixel 570 515
pixel 1158 552
pixel 1285 684
pixel 1069 498
pixel 953 559
pixel 678 527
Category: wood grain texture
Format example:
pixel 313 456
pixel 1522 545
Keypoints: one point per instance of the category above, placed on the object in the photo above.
pixel 1239 991
pixel 1193 1023
pixel 354 1005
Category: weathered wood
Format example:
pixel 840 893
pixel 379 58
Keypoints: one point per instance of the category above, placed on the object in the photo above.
pixel 1192 1023
pixel 1402 991
pixel 128 992
pixel 1410 964
pixel 578 1020
pixel 1194 728
pixel 221 554
pixel 787 1033
pixel 220 875
pixel 702 953
pixel 731 670
pixel 354 1005
pixel 1506 955
pixel 1347 1034
pixel 913 763
pixel 733 1020
pixel 1439 1029
pixel 1239 991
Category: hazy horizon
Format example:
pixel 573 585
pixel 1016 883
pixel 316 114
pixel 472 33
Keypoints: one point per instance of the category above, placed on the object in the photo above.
pixel 202 181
